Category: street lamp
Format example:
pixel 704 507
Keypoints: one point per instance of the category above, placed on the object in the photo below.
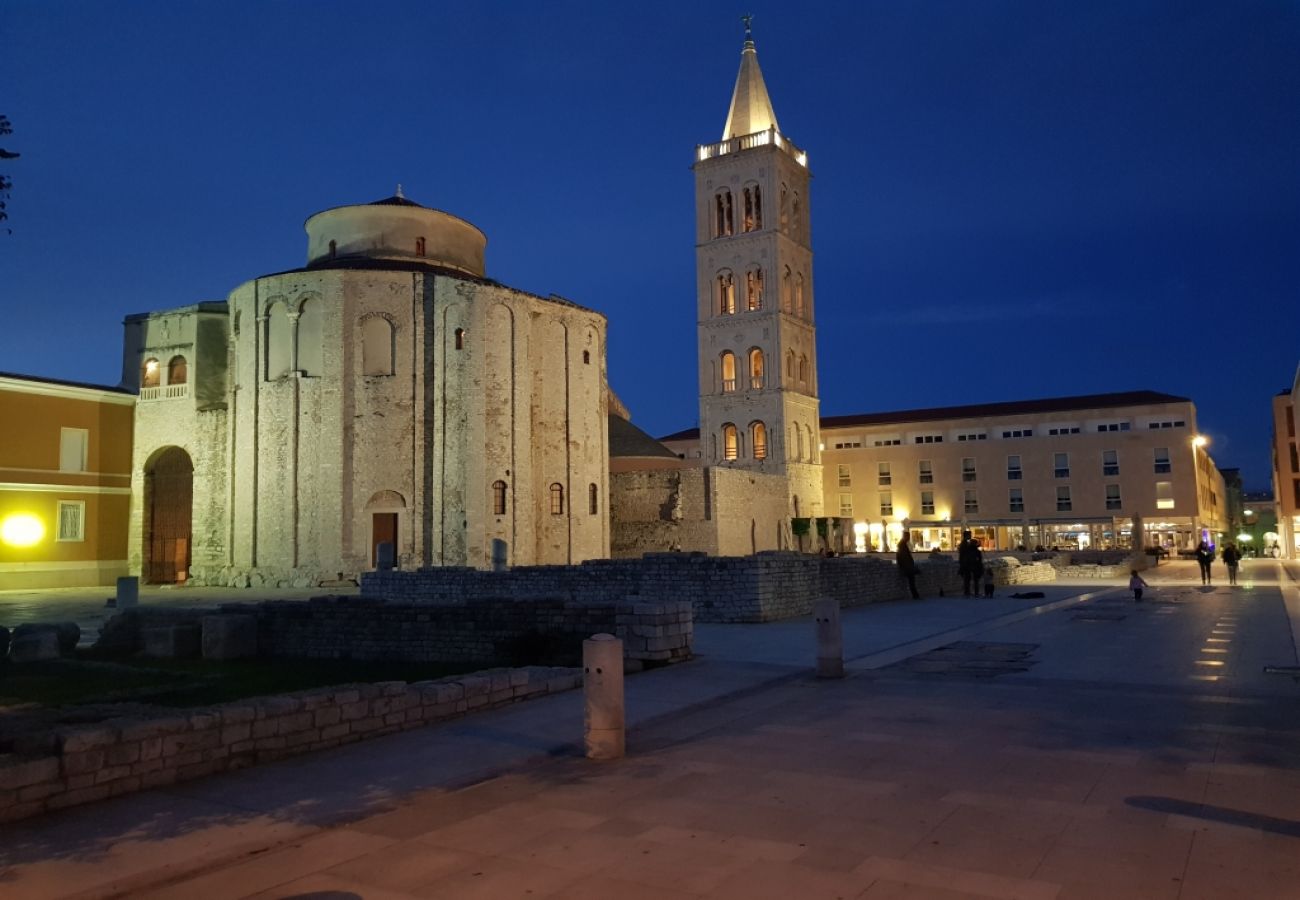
pixel 1199 441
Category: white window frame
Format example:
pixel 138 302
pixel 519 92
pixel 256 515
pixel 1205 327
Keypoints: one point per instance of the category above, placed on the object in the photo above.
pixel 64 434
pixel 81 522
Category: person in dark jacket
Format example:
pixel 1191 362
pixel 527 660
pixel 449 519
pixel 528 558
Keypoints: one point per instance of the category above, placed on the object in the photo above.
pixel 1204 556
pixel 906 565
pixel 1231 557
pixel 970 564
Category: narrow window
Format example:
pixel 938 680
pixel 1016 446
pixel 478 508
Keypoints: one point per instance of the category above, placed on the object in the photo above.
pixel 749 210
pixel 72 520
pixel 557 499
pixel 803 369
pixel 376 346
pixel 73 449
pixel 758 207
pixel 1164 495
pixel 1112 496
pixel 150 374
pixel 754 289
pixel 759 437
pixel 419 246
pixel 925 472
pixel 177 370
pixel 1063 503
pixel 785 207
pixel 726 293
pixel 1013 468
pixel 1061 465
pixel 756 369
pixel 886 503
pixel 846 505
pixel 277 342
pixel 789 365
pixel 971 503
pixel 586 357
pixel 927 503
pixel 786 290
pixel 593 499
pixel 1110 462
pixel 845 474
pixel 498 498
pixel 968 468
pixel 798 294
pixel 334 249
pixel 460 338
pixel 728 371
pixel 723 222
pixel 1016 500
pixel 311 338
pixel 796 223
pixel 1163 465
pixel 882 474
pixel 730 442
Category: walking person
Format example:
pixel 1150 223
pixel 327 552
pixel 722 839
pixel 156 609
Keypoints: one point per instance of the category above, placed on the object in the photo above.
pixel 1231 558
pixel 1204 556
pixel 1136 584
pixel 906 565
pixel 970 564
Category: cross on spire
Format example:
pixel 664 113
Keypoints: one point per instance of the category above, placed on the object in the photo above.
pixel 748 19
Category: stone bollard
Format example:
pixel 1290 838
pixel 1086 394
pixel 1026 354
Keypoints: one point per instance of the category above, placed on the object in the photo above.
pixel 500 557
pixel 385 556
pixel 128 591
pixel 602 683
pixel 830 638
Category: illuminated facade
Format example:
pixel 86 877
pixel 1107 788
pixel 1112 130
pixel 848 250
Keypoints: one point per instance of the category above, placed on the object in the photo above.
pixel 1286 476
pixel 387 392
pixel 1069 472
pixel 755 299
pixel 65 480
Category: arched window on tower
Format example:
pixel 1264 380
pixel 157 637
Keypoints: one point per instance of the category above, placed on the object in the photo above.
pixel 419 246
pixel 758 436
pixel 798 294
pixel 498 498
pixel 277 342
pixel 756 372
pixel 796 220
pixel 722 215
pixel 728 371
pixel 177 370
pixel 785 207
pixel 726 293
pixel 730 442
pixel 376 346
pixel 754 288
pixel 150 373
pixel 557 499
pixel 803 368
pixel 813 449
pixel 460 338
pixel 786 290
pixel 586 357
pixel 334 249
pixel 753 208
pixel 789 365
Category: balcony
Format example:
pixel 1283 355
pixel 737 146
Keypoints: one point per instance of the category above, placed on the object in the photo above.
pixel 165 392
pixel 749 141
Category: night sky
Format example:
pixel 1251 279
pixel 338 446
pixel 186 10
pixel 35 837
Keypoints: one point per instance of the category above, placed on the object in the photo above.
pixel 1011 200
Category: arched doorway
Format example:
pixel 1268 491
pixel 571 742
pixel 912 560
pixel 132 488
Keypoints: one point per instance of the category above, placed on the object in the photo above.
pixel 168 509
pixel 386 509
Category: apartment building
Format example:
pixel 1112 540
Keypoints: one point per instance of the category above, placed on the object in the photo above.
pixel 1286 475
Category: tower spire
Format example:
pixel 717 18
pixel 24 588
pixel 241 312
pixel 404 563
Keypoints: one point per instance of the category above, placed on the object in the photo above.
pixel 751 109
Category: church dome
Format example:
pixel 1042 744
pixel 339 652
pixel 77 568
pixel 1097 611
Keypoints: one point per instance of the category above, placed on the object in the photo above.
pixel 394 228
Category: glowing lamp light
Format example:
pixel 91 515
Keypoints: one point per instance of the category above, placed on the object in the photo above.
pixel 1200 440
pixel 22 530
pixel 1244 537
pixel 859 537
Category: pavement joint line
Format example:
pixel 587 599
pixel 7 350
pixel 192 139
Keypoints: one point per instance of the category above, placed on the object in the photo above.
pixel 879 659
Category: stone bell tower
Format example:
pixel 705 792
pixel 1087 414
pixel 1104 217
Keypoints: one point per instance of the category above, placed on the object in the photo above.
pixel 757 347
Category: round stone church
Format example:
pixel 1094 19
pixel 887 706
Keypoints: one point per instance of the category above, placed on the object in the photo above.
pixel 387 391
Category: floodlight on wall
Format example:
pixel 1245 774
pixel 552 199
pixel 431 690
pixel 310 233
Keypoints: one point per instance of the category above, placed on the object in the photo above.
pixel 22 530
pixel 1200 440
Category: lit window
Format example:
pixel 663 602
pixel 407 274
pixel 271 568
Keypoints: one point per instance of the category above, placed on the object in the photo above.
pixel 73 449
pixel 723 221
pixel 754 289
pixel 150 375
pixel 925 472
pixel 1016 500
pixel 557 499
pixel 726 293
pixel 1162 465
pixel 753 208
pixel 498 498
pixel 886 503
pixel 927 503
pixel 1063 503
pixel 419 246
pixel 177 370
pixel 728 371
pixel 760 440
pixel 845 476
pixel 846 504
pixel 460 338
pixel 756 368
pixel 72 520
pixel 730 442
pixel 1164 495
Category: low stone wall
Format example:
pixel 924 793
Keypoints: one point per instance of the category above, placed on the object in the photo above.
pixel 81 764
pixel 490 630
pixel 1085 571
pixel 759 588
pixel 1006 575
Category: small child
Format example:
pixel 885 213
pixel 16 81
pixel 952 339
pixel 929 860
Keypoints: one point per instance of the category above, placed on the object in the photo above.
pixel 988 581
pixel 1136 584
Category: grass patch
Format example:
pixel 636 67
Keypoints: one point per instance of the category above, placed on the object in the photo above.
pixel 197 682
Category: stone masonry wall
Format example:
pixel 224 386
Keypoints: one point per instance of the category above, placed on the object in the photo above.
pixel 82 764
pixel 484 630
pixel 760 588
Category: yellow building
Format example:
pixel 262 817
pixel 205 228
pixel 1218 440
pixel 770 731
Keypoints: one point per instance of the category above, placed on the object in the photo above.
pixel 65 482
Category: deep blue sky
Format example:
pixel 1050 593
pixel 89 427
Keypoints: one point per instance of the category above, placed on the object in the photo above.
pixel 1011 199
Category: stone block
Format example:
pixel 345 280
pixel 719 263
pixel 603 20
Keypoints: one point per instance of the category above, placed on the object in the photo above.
pixel 175 641
pixel 16 772
pixel 34 647
pixel 229 636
